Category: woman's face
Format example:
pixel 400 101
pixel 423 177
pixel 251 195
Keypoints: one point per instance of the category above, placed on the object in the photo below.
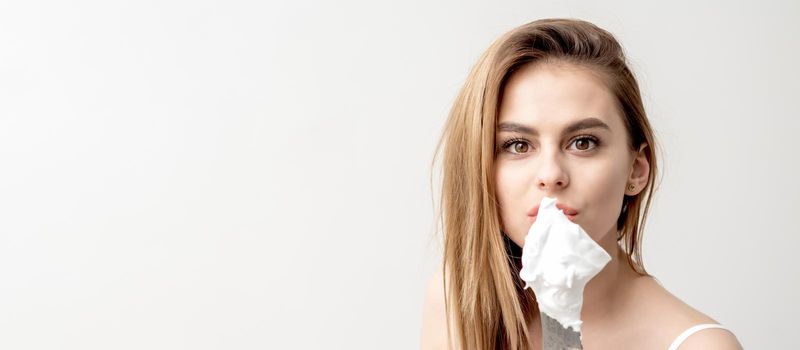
pixel 541 152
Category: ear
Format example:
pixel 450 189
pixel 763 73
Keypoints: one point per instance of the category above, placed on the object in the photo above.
pixel 640 172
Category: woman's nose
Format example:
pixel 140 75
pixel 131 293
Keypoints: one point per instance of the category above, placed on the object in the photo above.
pixel 551 174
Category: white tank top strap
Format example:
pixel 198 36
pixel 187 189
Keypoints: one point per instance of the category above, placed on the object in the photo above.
pixel 677 342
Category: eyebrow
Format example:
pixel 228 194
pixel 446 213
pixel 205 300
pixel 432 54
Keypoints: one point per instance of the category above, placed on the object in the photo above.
pixel 587 123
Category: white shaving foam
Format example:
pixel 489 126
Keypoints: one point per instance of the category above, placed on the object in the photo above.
pixel 558 259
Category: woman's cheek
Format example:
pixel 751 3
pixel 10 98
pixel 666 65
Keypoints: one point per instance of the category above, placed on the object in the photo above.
pixel 600 192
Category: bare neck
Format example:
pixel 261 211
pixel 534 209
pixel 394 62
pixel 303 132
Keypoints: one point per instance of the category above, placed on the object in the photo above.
pixel 603 295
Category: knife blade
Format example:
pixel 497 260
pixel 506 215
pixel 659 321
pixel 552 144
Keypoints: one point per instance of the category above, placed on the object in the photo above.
pixel 556 337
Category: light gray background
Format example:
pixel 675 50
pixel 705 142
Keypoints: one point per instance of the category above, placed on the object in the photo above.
pixel 251 175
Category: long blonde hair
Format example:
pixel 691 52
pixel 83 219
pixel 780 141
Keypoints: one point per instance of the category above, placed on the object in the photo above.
pixel 484 297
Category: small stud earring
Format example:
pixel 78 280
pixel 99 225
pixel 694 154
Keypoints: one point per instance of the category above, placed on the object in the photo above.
pixel 631 187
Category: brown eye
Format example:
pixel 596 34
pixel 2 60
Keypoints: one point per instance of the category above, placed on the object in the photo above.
pixel 520 147
pixel 584 143
pixel 515 146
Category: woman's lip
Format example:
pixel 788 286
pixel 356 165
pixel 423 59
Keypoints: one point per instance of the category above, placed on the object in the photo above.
pixel 565 208
pixel 532 218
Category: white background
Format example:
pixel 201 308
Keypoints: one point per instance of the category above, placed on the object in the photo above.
pixel 251 175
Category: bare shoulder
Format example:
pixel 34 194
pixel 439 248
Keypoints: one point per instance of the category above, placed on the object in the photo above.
pixel 433 335
pixel 667 317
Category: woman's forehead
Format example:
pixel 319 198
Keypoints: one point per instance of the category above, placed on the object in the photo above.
pixel 554 97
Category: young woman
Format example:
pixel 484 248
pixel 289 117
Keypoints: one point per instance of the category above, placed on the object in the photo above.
pixel 551 109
